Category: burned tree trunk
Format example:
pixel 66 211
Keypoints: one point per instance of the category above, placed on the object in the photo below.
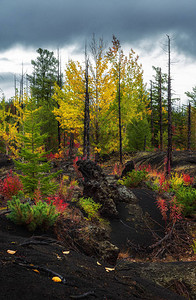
pixel 169 145
pixel 86 146
pixel 119 111
pixel 160 111
pixel 189 128
pixel 151 119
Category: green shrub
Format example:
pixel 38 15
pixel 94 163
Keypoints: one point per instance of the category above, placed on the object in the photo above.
pixel 134 178
pixel 194 246
pixel 186 196
pixel 90 207
pixel 40 215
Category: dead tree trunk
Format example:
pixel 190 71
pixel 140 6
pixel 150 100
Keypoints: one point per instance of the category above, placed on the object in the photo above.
pixel 71 145
pixel 59 82
pixel 119 110
pixel 189 128
pixel 169 145
pixel 86 146
pixel 160 111
pixel 151 119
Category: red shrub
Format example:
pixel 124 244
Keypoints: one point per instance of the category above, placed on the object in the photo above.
pixel 146 168
pixel 60 204
pixel 10 186
pixel 50 156
pixel 187 179
pixel 175 211
pixel 37 196
pixel 162 205
pixel 117 169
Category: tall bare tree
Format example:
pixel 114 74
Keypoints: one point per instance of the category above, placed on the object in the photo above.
pixel 189 127
pixel 160 111
pixel 119 106
pixel 169 145
pixel 152 116
pixel 86 146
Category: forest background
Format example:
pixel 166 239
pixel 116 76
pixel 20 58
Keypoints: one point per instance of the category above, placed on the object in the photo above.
pixel 95 106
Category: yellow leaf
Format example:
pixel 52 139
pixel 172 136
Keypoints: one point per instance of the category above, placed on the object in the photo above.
pixel 98 263
pixel 56 279
pixel 35 270
pixel 11 251
pixel 109 269
pixel 66 252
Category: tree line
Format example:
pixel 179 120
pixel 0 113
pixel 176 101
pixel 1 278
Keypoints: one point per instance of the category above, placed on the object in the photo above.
pixel 97 107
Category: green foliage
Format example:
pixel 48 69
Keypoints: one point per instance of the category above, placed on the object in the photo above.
pixel 134 178
pixel 35 169
pixel 138 134
pixel 40 215
pixel 186 196
pixel 45 74
pixel 194 246
pixel 176 181
pixel 90 208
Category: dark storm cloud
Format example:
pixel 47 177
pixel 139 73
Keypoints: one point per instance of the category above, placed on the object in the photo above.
pixel 42 23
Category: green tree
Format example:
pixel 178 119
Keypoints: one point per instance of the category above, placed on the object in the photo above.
pixel 159 106
pixel 35 171
pixel 192 100
pixel 192 96
pixel 139 135
pixel 131 96
pixel 42 81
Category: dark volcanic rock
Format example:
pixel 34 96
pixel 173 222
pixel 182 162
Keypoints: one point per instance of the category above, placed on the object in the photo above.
pixel 97 187
pixel 128 168
pixel 5 161
pixel 183 161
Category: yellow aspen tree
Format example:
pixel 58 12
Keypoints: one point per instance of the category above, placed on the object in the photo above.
pixel 70 99
pixel 133 95
pixel 102 95
pixel 8 130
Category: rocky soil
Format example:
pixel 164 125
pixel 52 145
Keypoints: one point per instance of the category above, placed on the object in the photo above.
pixel 94 266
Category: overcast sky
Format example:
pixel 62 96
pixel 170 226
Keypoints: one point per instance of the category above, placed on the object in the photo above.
pixel 139 24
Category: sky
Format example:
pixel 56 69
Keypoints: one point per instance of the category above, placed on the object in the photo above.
pixel 143 25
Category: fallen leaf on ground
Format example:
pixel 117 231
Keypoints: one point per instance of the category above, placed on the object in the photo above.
pixel 109 269
pixel 11 251
pixel 98 263
pixel 35 270
pixel 66 252
pixel 58 257
pixel 56 279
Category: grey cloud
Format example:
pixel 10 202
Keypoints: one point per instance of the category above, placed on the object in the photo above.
pixel 63 22
pixel 4 59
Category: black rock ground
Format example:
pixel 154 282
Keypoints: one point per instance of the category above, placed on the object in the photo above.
pixel 28 272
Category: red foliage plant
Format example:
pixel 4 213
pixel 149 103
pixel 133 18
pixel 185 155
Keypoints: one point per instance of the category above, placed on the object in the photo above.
pixel 58 202
pixel 117 169
pixel 172 208
pixel 79 175
pixel 37 196
pixel 187 179
pixel 10 186
pixel 50 156
pixel 164 185
pixel 162 205
pixel 146 168
pixel 175 211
